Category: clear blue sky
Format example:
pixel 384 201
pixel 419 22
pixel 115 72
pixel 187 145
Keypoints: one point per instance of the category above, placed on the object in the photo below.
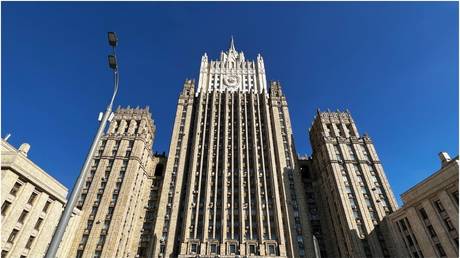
pixel 394 65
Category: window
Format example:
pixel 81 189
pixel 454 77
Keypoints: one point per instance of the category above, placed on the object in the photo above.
pixel 15 189
pixel 449 224
pixel 32 198
pixel 84 239
pixel 89 224
pixel 213 248
pixel 47 205
pixel 232 249
pixel 252 249
pixel 440 250
pixel 363 148
pixel 439 206
pixel 455 195
pixel 194 248
pixel 38 224
pixel 101 239
pixel 431 231
pixel 23 216
pixel 409 240
pixel 5 206
pixel 13 236
pixel 271 250
pixel 29 242
pixel 423 213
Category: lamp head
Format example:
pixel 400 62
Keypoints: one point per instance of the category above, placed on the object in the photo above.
pixel 113 62
pixel 113 40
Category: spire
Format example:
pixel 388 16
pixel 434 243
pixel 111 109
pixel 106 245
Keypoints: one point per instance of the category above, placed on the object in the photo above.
pixel 232 45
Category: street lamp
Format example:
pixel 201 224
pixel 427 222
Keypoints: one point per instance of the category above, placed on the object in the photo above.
pixel 74 196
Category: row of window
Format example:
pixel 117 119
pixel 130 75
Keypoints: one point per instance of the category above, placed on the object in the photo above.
pixel 340 130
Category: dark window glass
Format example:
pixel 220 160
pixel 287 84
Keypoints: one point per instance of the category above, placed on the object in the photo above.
pixel 5 206
pixel 47 205
pixel 29 242
pixel 23 216
pixel 12 236
pixel 32 198
pixel 440 250
pixel 423 213
pixel 38 224
pixel 439 206
pixel 431 231
pixel 14 191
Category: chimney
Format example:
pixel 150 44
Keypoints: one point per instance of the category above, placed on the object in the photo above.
pixel 24 148
pixel 445 158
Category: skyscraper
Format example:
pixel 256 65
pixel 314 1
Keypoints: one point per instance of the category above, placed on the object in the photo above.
pixel 117 192
pixel 356 196
pixel 232 183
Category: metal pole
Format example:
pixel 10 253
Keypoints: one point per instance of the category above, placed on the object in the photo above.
pixel 64 220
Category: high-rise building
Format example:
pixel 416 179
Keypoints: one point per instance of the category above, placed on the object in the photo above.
pixel 427 223
pixel 232 183
pixel 32 202
pixel 116 201
pixel 355 193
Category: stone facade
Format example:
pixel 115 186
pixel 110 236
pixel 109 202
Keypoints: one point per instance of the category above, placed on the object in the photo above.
pixel 427 224
pixel 118 201
pixel 354 193
pixel 32 203
pixel 232 182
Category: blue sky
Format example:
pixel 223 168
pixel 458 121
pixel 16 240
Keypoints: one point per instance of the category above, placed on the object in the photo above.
pixel 394 65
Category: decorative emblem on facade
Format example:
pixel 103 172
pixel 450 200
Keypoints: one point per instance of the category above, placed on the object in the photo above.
pixel 232 81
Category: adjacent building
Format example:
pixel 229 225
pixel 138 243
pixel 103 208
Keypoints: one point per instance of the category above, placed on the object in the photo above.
pixel 118 200
pixel 32 203
pixel 427 224
pixel 354 192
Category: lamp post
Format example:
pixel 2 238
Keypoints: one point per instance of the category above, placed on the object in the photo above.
pixel 74 196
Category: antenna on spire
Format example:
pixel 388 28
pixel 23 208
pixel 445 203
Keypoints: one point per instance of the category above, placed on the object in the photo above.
pixel 232 44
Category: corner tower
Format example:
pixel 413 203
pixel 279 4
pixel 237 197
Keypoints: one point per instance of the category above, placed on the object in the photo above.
pixel 232 178
pixel 356 196
pixel 117 188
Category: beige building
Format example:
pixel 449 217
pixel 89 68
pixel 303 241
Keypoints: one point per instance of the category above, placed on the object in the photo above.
pixel 427 224
pixel 117 211
pixel 355 194
pixel 32 203
pixel 232 184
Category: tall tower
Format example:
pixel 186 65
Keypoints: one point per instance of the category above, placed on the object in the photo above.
pixel 232 179
pixel 117 188
pixel 355 193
